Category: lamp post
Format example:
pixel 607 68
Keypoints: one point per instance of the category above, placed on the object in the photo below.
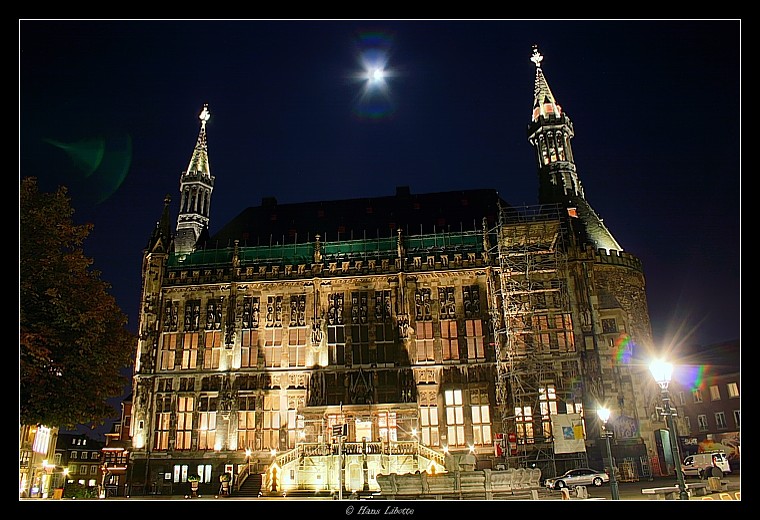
pixel 65 478
pixel 604 415
pixel 248 461
pixel 662 372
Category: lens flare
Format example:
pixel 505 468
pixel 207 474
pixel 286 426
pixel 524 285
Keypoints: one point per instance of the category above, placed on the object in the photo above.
pixel 101 164
pixel 624 349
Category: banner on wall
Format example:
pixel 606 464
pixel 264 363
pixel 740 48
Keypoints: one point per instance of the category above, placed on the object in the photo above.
pixel 568 433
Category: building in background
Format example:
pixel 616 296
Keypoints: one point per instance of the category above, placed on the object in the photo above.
pixel 115 477
pixel 77 460
pixel 37 467
pixel 709 402
pixel 407 332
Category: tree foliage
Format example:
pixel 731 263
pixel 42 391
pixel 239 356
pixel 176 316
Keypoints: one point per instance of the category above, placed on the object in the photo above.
pixel 74 343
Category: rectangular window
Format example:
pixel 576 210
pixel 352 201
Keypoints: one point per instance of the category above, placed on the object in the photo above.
pixel 213 349
pixel 714 393
pixel 386 424
pixel 163 422
pixel 185 407
pixel 424 341
pixel 271 428
pixel 297 347
pixel 471 301
pixel 204 472
pixel 696 395
pixel 247 423
pixel 385 338
pixel 250 313
pixel 733 390
pixel 298 310
pixel 702 420
pixel 73 455
pixel 336 335
pixel 214 314
pixel 446 304
pixel 179 473
pixel 273 347
pixel 720 421
pixel 475 340
pixel 454 417
pixel 609 325
pixel 360 345
pixel 423 305
pixel 249 348
pixel 385 346
pixel 429 419
pixel 171 316
pixel 274 311
pixel 168 348
pixel 190 351
pixel 737 418
pixel 547 397
pixel 481 417
pixel 207 422
pixel 524 425
pixel 359 329
pixel 449 341
pixel 336 344
pixel 295 428
pixel 192 316
pixel 93 470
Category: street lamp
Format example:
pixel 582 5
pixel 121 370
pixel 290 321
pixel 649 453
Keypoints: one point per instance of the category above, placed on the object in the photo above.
pixel 604 415
pixel 662 372
pixel 248 460
pixel 65 478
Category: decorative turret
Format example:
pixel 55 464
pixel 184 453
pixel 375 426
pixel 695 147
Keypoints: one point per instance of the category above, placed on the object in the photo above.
pixel 160 239
pixel 550 131
pixel 195 186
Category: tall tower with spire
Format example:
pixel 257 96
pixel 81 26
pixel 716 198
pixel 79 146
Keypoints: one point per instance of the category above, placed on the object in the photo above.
pixel 550 131
pixel 195 187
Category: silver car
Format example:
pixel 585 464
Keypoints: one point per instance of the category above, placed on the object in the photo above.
pixel 578 477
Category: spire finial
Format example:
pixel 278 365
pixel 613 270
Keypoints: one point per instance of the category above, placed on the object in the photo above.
pixel 205 114
pixel 536 57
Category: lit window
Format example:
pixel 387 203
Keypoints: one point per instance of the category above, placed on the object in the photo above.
pixel 454 417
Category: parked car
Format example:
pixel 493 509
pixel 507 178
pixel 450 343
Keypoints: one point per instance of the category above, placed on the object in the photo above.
pixel 704 465
pixel 578 477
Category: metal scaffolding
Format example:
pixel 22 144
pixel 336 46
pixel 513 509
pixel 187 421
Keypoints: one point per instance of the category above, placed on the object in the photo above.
pixel 533 331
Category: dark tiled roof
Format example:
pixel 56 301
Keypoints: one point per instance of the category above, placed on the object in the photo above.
pixel 360 218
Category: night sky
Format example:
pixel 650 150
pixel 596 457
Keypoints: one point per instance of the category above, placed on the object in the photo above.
pixel 110 109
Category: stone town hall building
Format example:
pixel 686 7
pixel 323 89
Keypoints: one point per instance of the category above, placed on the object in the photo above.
pixel 456 325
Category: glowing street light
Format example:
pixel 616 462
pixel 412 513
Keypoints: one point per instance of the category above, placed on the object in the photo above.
pixel 662 373
pixel 604 415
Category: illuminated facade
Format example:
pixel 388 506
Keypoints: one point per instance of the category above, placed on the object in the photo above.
pixel 36 461
pixel 426 327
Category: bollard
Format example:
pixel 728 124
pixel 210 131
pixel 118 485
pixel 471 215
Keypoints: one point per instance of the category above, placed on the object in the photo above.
pixel 565 493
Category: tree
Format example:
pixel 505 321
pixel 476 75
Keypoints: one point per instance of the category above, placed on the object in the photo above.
pixel 73 339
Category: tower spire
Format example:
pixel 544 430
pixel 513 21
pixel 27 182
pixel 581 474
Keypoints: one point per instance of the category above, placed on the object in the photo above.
pixel 195 186
pixel 550 131
pixel 544 103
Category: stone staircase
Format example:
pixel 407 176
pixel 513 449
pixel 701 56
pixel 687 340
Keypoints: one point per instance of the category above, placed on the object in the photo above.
pixel 251 487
